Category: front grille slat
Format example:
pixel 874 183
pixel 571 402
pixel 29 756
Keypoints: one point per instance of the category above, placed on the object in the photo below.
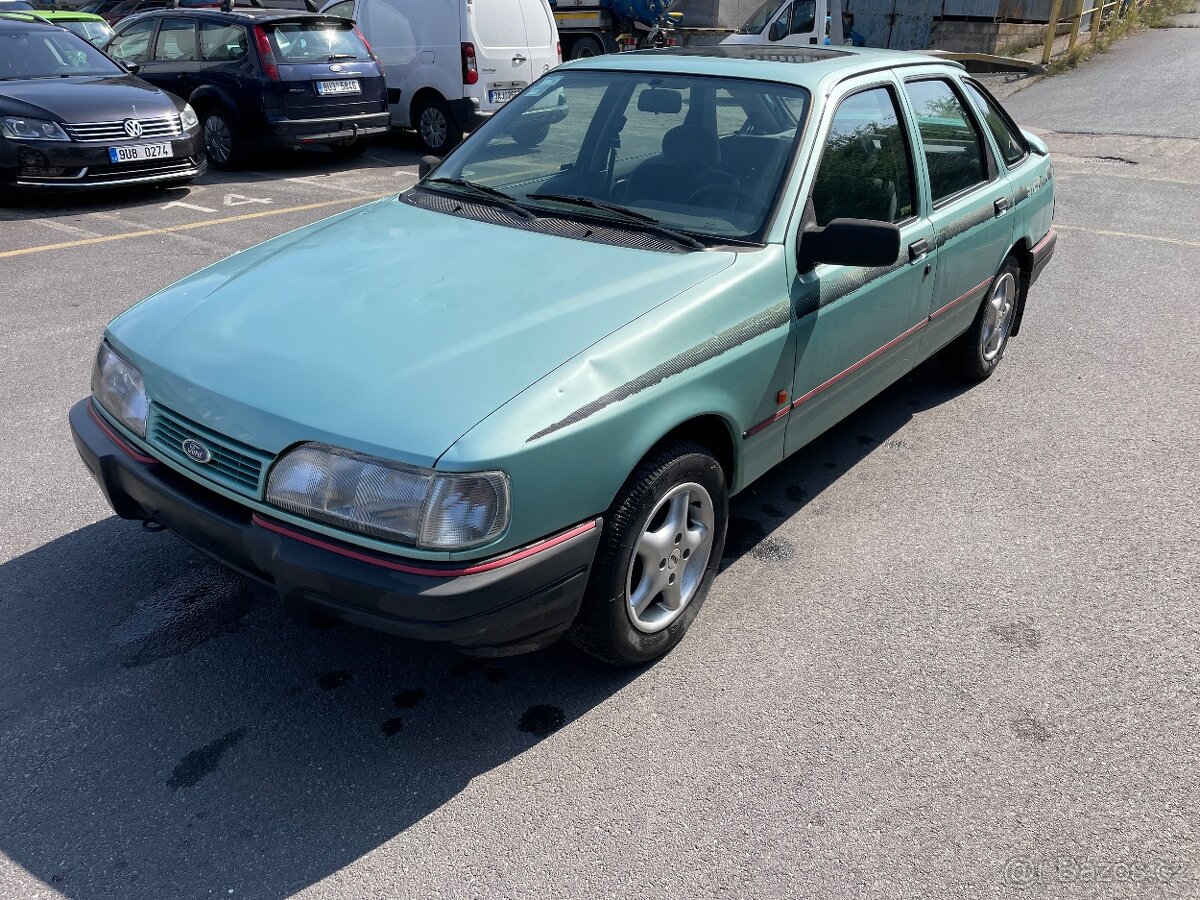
pixel 233 464
pixel 164 126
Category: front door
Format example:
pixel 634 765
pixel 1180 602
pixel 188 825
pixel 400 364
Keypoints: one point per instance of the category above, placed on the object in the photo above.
pixel 856 328
pixel 795 25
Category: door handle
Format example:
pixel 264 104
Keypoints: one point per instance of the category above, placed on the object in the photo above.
pixel 518 59
pixel 1001 206
pixel 918 250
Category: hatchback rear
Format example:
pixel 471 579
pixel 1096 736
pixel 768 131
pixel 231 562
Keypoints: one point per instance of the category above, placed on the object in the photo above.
pixel 514 42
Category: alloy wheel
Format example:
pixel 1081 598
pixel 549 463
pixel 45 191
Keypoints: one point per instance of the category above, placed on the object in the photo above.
pixel 218 139
pixel 434 127
pixel 670 557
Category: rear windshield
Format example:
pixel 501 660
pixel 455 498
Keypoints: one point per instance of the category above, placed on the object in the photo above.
pixel 25 54
pixel 305 42
pixel 96 32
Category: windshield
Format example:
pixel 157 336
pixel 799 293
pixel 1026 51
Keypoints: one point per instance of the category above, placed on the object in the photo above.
pixel 704 156
pixel 96 32
pixel 758 19
pixel 302 42
pixel 37 54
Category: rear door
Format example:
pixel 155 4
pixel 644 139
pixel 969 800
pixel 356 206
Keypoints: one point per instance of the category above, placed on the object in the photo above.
pixel 325 69
pixel 175 62
pixel 542 34
pixel 496 29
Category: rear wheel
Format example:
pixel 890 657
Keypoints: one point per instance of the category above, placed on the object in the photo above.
pixel 586 47
pixel 657 558
pixel 975 354
pixel 222 141
pixel 435 125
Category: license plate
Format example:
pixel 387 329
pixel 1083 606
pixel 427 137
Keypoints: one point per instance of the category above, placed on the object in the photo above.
pixel 139 151
pixel 503 96
pixel 345 86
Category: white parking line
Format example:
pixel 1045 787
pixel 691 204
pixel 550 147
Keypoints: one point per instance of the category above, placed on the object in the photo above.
pixel 55 225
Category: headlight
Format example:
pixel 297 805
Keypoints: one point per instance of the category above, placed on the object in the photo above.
pixel 31 129
pixel 390 500
pixel 117 386
pixel 188 117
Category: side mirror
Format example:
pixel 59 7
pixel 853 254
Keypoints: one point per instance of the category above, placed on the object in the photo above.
pixel 779 30
pixel 132 68
pixel 428 164
pixel 850 242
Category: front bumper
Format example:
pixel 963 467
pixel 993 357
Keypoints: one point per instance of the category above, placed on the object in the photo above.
pixel 301 132
pixel 86 164
pixel 509 604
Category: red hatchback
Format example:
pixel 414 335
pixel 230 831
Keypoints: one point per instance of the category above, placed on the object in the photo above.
pixel 261 78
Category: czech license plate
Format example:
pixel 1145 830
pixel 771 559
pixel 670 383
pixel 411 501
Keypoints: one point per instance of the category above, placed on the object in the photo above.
pixel 139 151
pixel 345 86
pixel 503 96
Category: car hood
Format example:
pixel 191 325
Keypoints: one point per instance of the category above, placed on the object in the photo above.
pixel 387 329
pixel 85 98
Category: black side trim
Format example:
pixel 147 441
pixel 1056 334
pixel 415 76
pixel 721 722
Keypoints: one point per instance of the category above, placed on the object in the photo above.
pixel 394 95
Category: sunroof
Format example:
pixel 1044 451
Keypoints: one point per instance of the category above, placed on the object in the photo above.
pixel 748 51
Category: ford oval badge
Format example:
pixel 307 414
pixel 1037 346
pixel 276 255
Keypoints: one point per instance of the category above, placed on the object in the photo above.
pixel 335 68
pixel 196 451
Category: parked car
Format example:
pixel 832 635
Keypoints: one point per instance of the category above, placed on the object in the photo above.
pixel 450 64
pixel 116 10
pixel 261 78
pixel 514 401
pixel 71 118
pixel 89 27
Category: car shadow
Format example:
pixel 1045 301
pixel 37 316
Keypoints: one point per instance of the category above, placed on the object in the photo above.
pixel 790 486
pixel 168 732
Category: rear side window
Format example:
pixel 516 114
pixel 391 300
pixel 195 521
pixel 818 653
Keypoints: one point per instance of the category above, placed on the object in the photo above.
pixel 222 43
pixel 1010 142
pixel 176 41
pixel 315 42
pixel 866 169
pixel 133 43
pixel 954 148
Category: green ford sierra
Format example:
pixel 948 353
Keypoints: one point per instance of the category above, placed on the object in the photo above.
pixel 513 402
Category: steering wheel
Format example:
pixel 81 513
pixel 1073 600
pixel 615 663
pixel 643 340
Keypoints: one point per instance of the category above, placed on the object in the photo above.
pixel 716 190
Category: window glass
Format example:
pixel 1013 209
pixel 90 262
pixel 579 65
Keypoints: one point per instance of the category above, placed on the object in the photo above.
pixel 866 168
pixel 954 149
pixel 222 43
pixel 344 9
pixel 176 41
pixel 305 42
pixel 1011 144
pixel 49 55
pixel 803 17
pixel 97 33
pixel 703 155
pixel 133 43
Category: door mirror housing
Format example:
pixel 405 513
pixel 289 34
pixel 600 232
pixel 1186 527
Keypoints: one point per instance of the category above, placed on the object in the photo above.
pixel 428 164
pixel 849 242
pixel 778 30
pixel 132 68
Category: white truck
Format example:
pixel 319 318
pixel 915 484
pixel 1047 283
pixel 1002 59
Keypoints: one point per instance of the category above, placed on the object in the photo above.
pixel 794 23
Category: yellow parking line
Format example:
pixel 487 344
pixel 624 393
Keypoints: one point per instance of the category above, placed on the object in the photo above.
pixel 1126 234
pixel 168 229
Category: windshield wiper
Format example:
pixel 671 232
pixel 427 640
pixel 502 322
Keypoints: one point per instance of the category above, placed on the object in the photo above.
pixel 334 56
pixel 632 216
pixel 482 190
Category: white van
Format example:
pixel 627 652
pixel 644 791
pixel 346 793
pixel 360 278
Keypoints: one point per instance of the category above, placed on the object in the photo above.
pixel 451 63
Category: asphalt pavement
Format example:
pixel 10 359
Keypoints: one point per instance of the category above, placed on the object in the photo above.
pixel 952 652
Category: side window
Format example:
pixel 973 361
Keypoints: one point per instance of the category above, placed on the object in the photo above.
pixel 133 44
pixel 222 43
pixel 954 148
pixel 866 168
pixel 345 9
pixel 1008 139
pixel 176 41
pixel 799 17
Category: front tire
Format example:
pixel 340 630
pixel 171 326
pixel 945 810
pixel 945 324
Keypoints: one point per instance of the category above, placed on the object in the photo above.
pixel 658 556
pixel 974 355
pixel 222 141
pixel 436 126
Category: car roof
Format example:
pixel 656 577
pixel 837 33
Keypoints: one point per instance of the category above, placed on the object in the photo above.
pixel 804 66
pixel 10 22
pixel 240 13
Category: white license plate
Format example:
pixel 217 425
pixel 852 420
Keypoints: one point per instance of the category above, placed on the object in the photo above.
pixel 345 86
pixel 139 151
pixel 503 96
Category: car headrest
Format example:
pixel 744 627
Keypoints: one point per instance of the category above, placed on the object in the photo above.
pixel 691 145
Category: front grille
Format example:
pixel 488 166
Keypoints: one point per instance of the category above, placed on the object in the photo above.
pixel 234 465
pixel 141 169
pixel 164 126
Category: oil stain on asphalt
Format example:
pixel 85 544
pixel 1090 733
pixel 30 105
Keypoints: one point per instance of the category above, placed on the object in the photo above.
pixel 205 602
pixel 203 761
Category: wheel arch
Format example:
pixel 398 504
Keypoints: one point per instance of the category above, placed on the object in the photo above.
pixel 208 97
pixel 418 98
pixel 1022 252
pixel 709 430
